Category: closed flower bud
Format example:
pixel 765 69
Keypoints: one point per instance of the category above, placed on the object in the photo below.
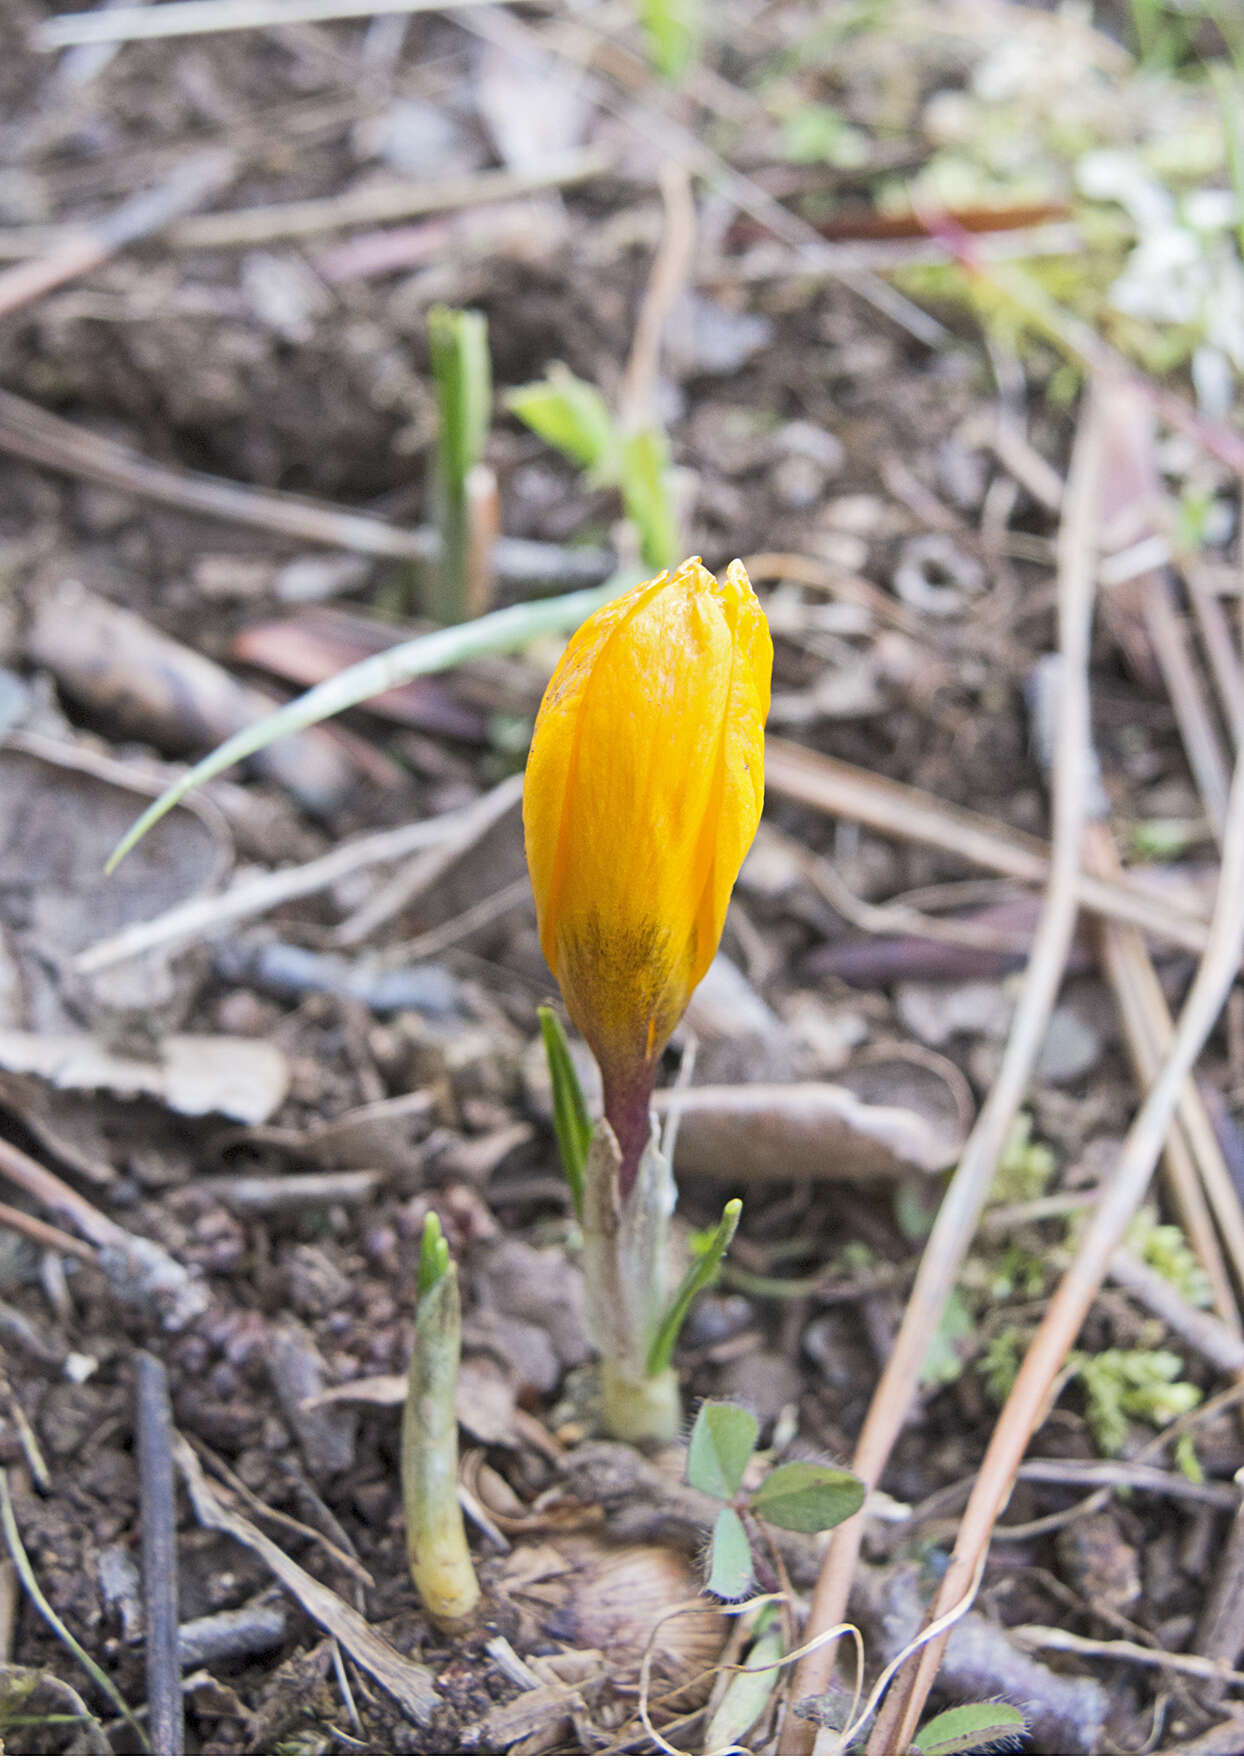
pixel 642 796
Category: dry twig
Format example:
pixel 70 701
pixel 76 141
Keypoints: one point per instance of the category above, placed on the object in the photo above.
pixel 965 1197
pixel 158 1507
pixel 253 895
pixel 1066 1313
pixel 897 810
pixel 189 18
pixel 192 183
pixel 28 432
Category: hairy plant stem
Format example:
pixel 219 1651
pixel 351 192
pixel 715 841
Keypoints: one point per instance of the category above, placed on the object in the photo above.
pixel 626 1268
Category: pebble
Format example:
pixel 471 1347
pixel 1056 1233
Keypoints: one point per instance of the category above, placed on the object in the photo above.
pixel 764 1381
pixel 703 337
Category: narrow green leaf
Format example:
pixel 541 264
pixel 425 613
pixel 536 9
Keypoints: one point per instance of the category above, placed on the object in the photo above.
pixel 433 1255
pixel 747 1695
pixel 435 652
pixel 570 414
pixel 965 1727
pixel 722 1440
pixel 807 1498
pixel 571 1122
pixel 730 1558
pixel 699 1274
pixel 647 496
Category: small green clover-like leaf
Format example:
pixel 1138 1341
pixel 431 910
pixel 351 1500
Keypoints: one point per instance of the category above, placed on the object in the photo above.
pixel 730 1558
pixel 807 1498
pixel 965 1727
pixel 721 1446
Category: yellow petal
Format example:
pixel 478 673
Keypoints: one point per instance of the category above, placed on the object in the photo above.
pixel 642 795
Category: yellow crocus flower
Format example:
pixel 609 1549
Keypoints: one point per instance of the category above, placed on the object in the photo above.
pixel 642 796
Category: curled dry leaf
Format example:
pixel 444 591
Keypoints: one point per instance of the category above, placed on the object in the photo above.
pixel 809 1130
pixel 484 1402
pixel 61 810
pixel 142 680
pixel 614 1599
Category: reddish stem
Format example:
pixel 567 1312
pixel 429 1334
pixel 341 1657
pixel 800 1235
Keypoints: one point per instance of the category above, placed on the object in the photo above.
pixel 628 1104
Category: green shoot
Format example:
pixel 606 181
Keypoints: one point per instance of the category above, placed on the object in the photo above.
pixel 433 1256
pixel 499 631
pixel 436 1547
pixel 571 415
pixel 697 1277
pixel 1228 86
pixel 647 495
pixel 625 1258
pixel 673 29
pixel 571 1122
pixel 965 1729
pixel 458 346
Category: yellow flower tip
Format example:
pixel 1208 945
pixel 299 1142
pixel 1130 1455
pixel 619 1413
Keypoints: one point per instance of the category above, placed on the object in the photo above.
pixel 642 796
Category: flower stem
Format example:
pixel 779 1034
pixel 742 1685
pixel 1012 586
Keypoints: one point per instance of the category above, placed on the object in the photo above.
pixel 647 1409
pixel 628 1107
pixel 626 1266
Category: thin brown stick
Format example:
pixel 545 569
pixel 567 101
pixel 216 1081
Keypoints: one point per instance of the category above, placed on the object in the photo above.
pixel 255 894
pixel 841 583
pixel 473 823
pixel 667 280
pixel 1183 684
pixel 966 1195
pixel 1123 1650
pixel 158 1522
pixel 1220 1345
pixel 1224 662
pixel 1193 1156
pixel 136 1266
pixel 192 18
pixel 28 432
pixel 792 772
pixel 43 1233
pixel 194 182
pixel 1026 1405
pixel 377 204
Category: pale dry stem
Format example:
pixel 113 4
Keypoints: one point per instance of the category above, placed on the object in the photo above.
pixel 1027 1402
pixel 960 1211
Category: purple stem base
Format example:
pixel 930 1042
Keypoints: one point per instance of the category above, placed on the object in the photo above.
pixel 628 1105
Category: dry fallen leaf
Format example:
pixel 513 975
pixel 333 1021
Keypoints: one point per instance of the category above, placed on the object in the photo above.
pixel 410 1685
pixel 245 1079
pixel 806 1130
